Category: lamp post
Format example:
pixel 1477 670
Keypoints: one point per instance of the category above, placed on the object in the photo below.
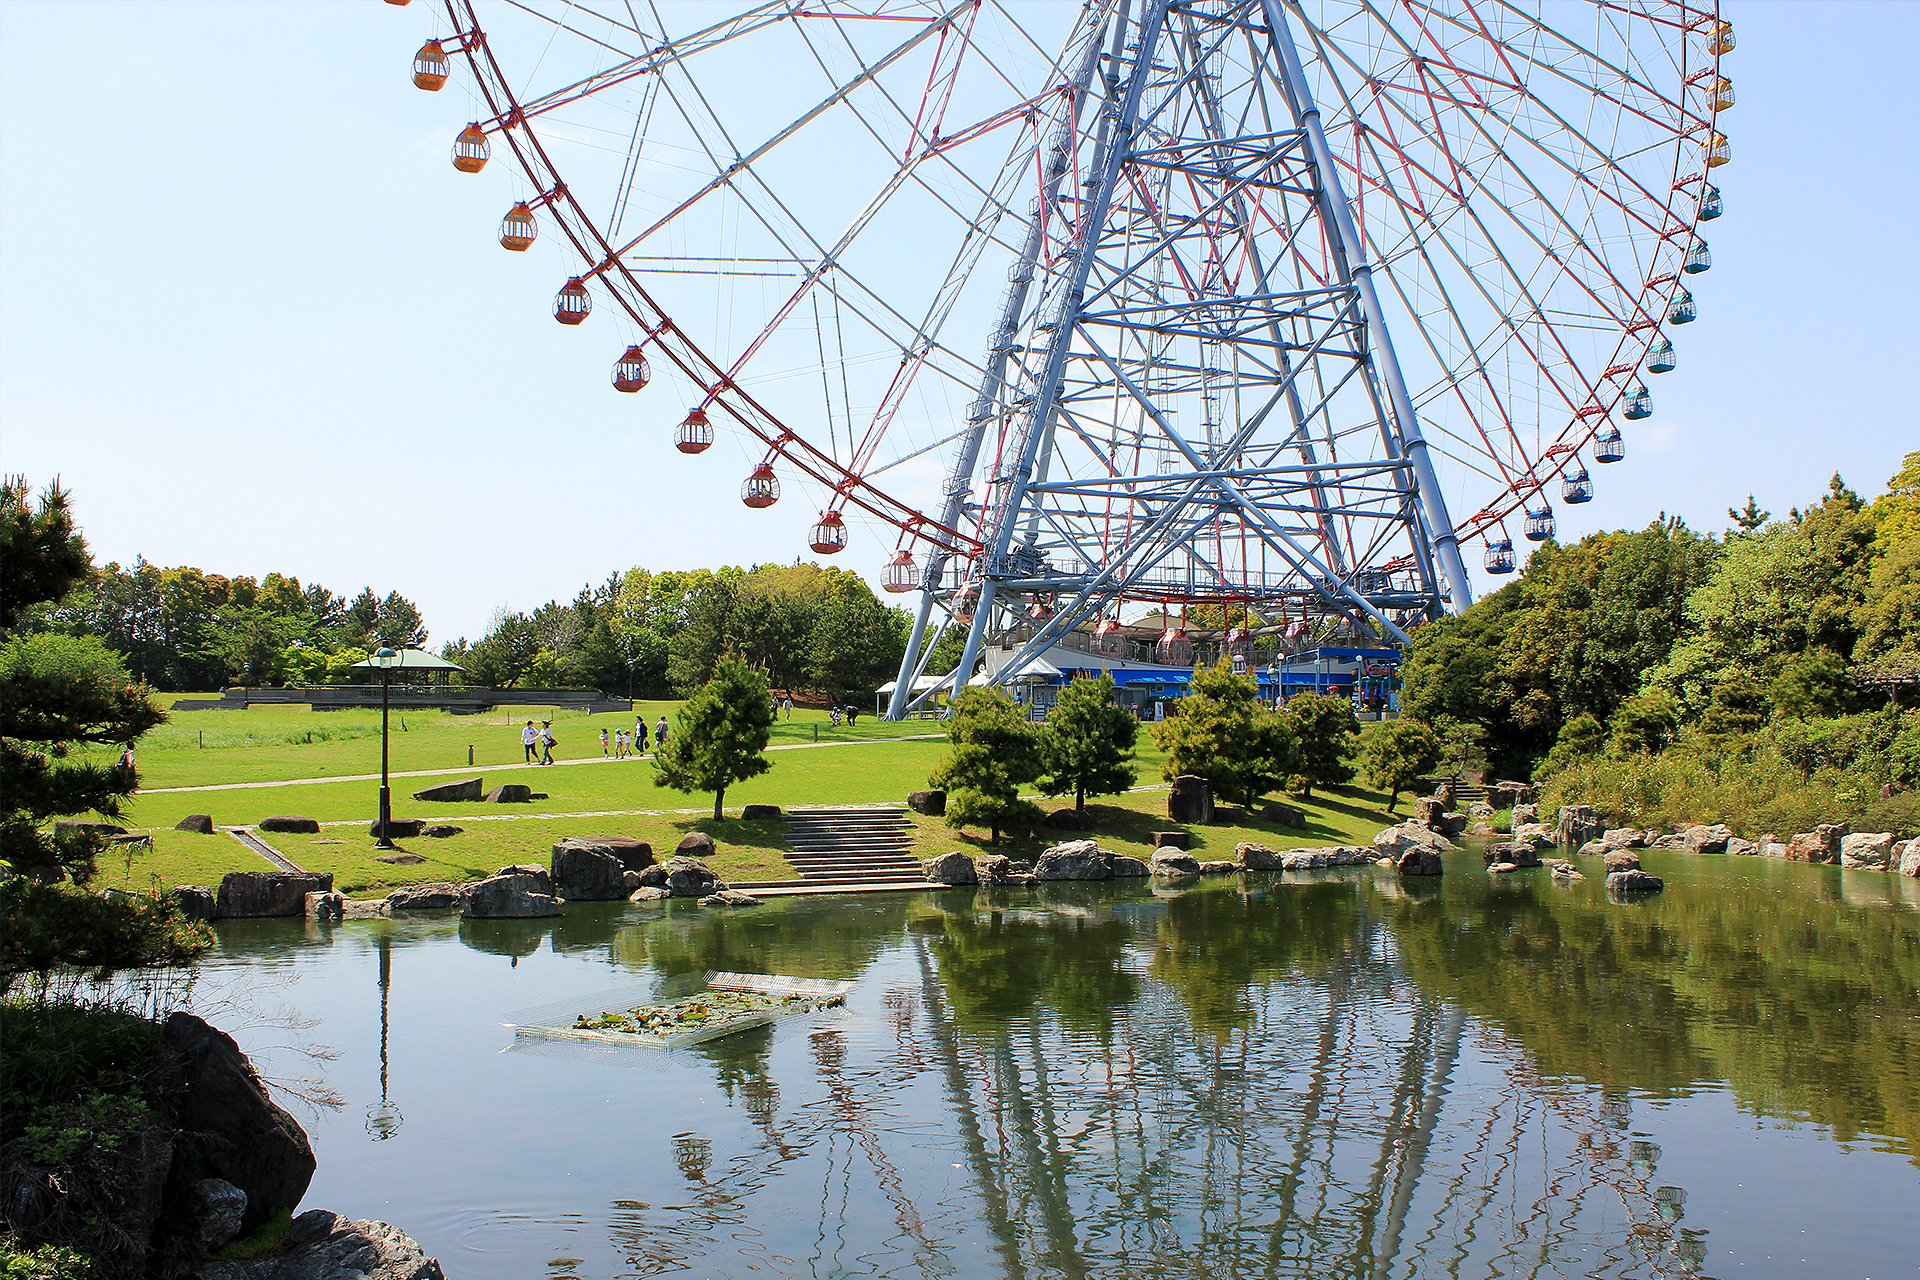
pixel 386 659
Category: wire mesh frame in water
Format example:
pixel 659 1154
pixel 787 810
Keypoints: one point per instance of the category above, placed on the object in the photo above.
pixel 554 1021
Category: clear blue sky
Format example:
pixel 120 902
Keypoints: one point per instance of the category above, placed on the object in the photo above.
pixel 257 323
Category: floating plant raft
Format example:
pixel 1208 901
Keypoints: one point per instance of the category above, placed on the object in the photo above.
pixel 728 1003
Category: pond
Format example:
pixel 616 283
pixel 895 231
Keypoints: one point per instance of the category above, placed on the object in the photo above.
pixel 1323 1074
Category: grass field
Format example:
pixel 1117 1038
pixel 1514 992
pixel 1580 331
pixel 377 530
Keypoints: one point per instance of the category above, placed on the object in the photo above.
pixel 259 749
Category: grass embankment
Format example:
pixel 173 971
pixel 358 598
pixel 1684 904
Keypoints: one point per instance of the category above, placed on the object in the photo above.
pixel 594 797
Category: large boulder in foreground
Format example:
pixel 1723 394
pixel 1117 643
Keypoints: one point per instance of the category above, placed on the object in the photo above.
pixel 931 803
pixel 1257 857
pixel 1622 860
pixel 1190 800
pixel 207 1088
pixel 1433 814
pixel 1518 854
pixel 1537 836
pixel 1125 868
pixel 247 894
pixel 326 1246
pixel 1623 883
pixel 1867 851
pixel 1910 859
pixel 198 823
pixel 515 893
pixel 510 793
pixel 465 789
pixel 585 871
pixel 1070 820
pixel 694 844
pixel 424 897
pixel 1074 860
pixel 1419 862
pixel 1408 836
pixel 691 878
pixel 1822 844
pixel 950 868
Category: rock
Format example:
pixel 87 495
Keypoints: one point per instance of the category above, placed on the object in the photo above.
pixel 1622 860
pixel 1910 859
pixel 466 789
pixel 1822 844
pixel 759 812
pixel 1771 849
pixel 650 893
pixel 326 906
pixel 1285 815
pixel 1535 835
pixel 1565 871
pixel 201 823
pixel 400 828
pixel 1217 868
pixel 931 803
pixel 1525 813
pixel 950 868
pixel 1707 839
pixel 1518 852
pixel 207 1087
pixel 364 909
pixel 1502 868
pixel 1480 810
pixel 78 826
pixel 516 893
pixel 1481 829
pixel 1074 860
pixel 694 844
pixel 989 868
pixel 246 894
pixel 584 871
pixel 510 793
pixel 1125 868
pixel 1398 840
pixel 223 1207
pixel 1624 882
pixel 1558 866
pixel 195 902
pixel 1070 820
pixel 1173 862
pixel 399 859
pixel 1593 849
pixel 1868 851
pixel 1443 794
pixel 691 878
pixel 730 898
pixel 1190 800
pixel 1505 795
pixel 1738 848
pixel 633 855
pixel 1577 824
pixel 1434 816
pixel 539 795
pixel 1624 838
pixel 653 877
pixel 1257 857
pixel 290 823
pixel 1172 840
pixel 1419 862
pixel 440 831
pixel 329 1247
pixel 1675 840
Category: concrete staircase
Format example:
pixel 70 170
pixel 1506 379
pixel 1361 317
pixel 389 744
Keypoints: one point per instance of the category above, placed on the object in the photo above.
pixel 847 849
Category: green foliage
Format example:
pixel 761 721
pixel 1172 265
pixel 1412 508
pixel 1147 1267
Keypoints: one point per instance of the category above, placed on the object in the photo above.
pixel 1223 734
pixel 44 926
pixel 41 1262
pixel 42 555
pixel 1396 753
pixel 1645 723
pixel 54 1051
pixel 855 646
pixel 995 752
pixel 1324 727
pixel 1087 742
pixel 1580 737
pixel 719 735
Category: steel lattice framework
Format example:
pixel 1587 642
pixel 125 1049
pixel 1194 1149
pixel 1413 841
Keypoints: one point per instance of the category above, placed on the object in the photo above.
pixel 1286 300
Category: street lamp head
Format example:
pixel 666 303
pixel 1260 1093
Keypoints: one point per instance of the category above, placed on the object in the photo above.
pixel 386 657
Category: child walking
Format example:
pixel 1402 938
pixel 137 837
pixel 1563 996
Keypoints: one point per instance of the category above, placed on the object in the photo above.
pixel 604 751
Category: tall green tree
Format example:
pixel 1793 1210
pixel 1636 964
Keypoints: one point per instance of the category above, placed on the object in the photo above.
pixel 995 752
pixel 1086 744
pixel 1398 753
pixel 719 735
pixel 59 696
pixel 855 646
pixel 1224 735
pixel 1324 726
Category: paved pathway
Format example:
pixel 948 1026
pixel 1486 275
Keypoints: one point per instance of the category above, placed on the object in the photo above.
pixel 495 768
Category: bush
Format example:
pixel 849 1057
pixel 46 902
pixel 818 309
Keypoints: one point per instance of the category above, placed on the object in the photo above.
pixel 44 927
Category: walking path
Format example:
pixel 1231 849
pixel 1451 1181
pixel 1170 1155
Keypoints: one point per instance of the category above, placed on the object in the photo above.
pixel 494 768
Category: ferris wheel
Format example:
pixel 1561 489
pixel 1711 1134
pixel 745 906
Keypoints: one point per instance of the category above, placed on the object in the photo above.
pixel 1287 306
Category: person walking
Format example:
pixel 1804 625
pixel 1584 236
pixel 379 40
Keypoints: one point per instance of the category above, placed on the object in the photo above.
pixel 603 742
pixel 660 735
pixel 547 742
pixel 786 706
pixel 640 734
pixel 619 744
pixel 530 743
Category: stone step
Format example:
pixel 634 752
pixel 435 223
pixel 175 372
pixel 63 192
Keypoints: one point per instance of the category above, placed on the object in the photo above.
pixel 812 867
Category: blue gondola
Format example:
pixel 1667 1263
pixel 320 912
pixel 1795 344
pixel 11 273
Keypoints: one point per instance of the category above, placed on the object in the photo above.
pixel 1711 205
pixel 1576 487
pixel 1639 403
pixel 1608 446
pixel 1699 258
pixel 1500 556
pixel 1660 356
pixel 1540 524
pixel 1682 310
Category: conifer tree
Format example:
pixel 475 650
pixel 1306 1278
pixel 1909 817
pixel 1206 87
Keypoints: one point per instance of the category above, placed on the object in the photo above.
pixel 1087 742
pixel 994 752
pixel 719 735
pixel 1221 733
pixel 1324 726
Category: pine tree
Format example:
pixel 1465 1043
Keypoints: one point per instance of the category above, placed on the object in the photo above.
pixel 1751 517
pixel 1221 733
pixel 994 752
pixel 719 735
pixel 1087 742
pixel 1395 754
pixel 1324 727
